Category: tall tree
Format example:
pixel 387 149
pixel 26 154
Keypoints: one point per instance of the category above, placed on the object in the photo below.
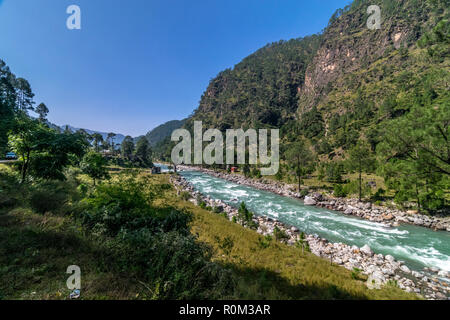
pixel 24 95
pixel 98 139
pixel 110 138
pixel 300 159
pixel 7 104
pixel 144 153
pixel 361 159
pixel 94 165
pixel 42 111
pixel 127 148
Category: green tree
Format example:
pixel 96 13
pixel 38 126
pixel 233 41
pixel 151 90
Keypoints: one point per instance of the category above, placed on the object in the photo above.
pixel 42 111
pixel 98 140
pixel 143 153
pixel 110 138
pixel 24 95
pixel 127 148
pixel 43 151
pixel 415 155
pixel 361 159
pixel 94 165
pixel 7 104
pixel 300 159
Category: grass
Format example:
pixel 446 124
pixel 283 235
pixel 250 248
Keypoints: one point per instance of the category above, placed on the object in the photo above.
pixel 36 249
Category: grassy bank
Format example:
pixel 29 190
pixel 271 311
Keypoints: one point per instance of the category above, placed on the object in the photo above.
pixel 155 257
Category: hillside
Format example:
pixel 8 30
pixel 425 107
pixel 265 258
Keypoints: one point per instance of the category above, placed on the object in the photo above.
pixel 378 98
pixel 345 68
pixel 163 131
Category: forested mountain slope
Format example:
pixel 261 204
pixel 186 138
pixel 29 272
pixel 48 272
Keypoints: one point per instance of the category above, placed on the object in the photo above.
pixel 385 90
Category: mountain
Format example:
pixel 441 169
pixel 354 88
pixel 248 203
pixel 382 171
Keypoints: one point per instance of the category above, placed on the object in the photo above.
pixel 341 85
pixel 117 139
pixel 163 131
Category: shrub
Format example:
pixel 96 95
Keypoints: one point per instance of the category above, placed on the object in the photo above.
pixel 185 196
pixel 279 234
pixel 264 242
pixel 173 266
pixel 339 191
pixel 245 217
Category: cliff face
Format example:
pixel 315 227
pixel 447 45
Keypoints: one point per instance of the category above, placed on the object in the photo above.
pixel 349 45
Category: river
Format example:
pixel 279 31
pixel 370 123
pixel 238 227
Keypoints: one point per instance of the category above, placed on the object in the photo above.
pixel 418 247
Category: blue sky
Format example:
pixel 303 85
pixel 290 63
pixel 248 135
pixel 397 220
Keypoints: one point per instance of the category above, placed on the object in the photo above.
pixel 136 64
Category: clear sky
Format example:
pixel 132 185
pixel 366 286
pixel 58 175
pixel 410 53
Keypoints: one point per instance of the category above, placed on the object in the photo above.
pixel 138 63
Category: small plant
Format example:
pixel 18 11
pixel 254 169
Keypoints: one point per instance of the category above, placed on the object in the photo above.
pixel 279 234
pixel 392 283
pixel 185 196
pixel 245 217
pixel 264 242
pixel 356 273
pixel 216 209
pixel 226 244
pixel 339 191
pixel 304 192
pixel 302 243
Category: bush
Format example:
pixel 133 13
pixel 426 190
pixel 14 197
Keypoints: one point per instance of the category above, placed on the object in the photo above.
pixel 126 204
pixel 173 266
pixel 339 191
pixel 279 234
pixel 185 196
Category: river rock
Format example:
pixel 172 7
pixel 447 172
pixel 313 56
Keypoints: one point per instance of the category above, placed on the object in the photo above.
pixel 366 249
pixel 443 274
pixel 309 201
pixel 405 269
pixel 389 258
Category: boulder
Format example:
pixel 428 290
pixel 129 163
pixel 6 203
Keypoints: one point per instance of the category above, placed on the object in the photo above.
pixel 348 211
pixel 443 274
pixel 309 201
pixel 405 269
pixel 389 258
pixel 366 250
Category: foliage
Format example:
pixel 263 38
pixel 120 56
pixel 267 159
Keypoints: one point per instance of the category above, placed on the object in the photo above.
pixel 245 217
pixel 94 165
pixel 279 234
pixel 43 152
pixel 143 153
pixel 300 158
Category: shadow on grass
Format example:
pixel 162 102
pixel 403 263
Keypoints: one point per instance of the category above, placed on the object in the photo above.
pixel 260 283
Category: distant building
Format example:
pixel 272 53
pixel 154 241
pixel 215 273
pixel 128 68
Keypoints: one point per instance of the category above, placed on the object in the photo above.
pixel 156 170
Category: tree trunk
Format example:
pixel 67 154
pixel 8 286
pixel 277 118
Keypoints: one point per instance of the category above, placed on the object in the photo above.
pixel 360 182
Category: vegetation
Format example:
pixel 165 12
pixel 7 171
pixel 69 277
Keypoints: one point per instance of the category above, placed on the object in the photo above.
pixel 150 250
pixel 384 91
